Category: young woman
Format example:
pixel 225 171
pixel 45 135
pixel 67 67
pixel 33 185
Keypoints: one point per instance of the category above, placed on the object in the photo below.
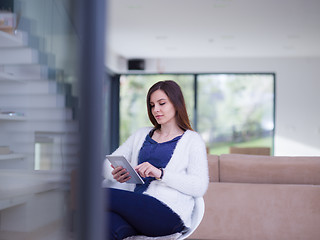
pixel 172 160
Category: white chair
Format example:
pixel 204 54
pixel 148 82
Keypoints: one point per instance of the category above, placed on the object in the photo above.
pixel 196 218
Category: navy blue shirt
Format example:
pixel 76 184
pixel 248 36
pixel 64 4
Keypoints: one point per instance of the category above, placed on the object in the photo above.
pixel 157 154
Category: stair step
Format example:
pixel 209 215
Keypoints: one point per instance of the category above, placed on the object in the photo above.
pixel 17 39
pixel 71 138
pixel 69 158
pixel 42 126
pixel 24 71
pixel 66 138
pixel 46 114
pixel 14 164
pixel 56 150
pixel 11 156
pixel 51 114
pixel 30 87
pixel 32 101
pixel 18 55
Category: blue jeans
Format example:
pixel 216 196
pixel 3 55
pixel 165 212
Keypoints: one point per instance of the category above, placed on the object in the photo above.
pixel 131 213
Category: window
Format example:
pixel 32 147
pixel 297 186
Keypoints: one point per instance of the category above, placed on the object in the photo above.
pixel 226 109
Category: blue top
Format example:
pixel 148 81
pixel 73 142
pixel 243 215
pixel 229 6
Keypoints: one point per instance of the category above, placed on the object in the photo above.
pixel 157 154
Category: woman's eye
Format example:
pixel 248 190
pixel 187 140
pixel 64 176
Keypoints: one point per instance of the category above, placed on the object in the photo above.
pixel 162 104
pixel 152 106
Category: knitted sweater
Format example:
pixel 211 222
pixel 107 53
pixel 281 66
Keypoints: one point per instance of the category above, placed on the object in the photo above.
pixel 185 177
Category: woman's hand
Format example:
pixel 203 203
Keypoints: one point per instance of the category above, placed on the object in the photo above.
pixel 147 170
pixel 120 174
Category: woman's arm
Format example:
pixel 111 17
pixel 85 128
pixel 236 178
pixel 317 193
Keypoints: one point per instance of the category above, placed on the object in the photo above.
pixel 195 180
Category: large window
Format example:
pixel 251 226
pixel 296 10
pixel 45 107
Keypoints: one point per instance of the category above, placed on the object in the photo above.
pixel 226 109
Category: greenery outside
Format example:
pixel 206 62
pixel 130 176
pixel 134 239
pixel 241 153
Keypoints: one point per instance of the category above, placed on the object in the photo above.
pixel 235 110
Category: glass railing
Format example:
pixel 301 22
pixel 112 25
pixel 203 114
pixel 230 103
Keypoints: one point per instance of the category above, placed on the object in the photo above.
pixel 38 119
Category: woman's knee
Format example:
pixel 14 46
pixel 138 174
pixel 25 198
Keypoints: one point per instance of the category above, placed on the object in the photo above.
pixel 118 228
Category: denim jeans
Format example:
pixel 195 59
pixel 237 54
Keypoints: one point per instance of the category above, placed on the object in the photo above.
pixel 130 213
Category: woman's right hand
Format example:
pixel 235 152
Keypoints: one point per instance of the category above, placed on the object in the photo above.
pixel 120 174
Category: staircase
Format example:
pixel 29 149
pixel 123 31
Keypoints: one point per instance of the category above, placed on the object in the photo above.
pixel 39 105
pixel 38 125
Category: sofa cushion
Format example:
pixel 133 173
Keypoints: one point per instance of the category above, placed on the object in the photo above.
pixel 250 150
pixel 260 212
pixel 213 164
pixel 269 169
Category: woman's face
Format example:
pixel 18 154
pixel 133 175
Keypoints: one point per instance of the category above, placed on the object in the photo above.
pixel 162 108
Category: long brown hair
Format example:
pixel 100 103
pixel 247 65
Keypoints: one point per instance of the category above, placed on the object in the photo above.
pixel 174 93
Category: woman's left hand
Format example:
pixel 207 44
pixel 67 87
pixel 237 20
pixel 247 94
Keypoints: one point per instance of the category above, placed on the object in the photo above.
pixel 148 170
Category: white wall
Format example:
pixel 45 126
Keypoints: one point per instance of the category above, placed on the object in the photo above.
pixel 297 94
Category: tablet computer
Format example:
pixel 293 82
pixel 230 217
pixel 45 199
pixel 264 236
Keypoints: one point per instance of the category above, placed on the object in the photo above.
pixel 121 161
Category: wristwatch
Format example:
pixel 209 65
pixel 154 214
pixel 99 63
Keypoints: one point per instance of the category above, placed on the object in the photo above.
pixel 161 169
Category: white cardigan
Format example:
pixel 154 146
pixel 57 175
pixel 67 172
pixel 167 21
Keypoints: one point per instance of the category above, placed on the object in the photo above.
pixel 185 176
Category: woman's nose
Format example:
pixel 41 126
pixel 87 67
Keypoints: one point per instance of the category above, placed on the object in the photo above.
pixel 156 108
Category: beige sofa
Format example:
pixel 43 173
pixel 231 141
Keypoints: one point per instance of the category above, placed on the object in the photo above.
pixel 261 197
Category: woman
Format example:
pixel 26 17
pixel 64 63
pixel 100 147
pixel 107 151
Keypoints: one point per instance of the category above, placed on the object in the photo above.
pixel 172 160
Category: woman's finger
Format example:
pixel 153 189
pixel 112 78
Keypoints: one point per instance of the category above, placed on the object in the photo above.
pixel 120 174
pixel 146 170
pixel 124 177
pixel 116 170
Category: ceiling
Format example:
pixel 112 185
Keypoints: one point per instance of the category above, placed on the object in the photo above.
pixel 213 28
